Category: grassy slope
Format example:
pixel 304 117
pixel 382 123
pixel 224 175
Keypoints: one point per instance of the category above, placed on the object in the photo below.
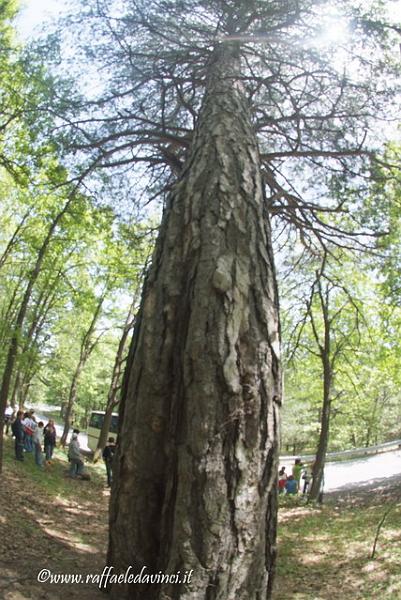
pixel 324 553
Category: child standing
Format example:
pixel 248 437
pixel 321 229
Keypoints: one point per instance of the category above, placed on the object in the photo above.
pixel 306 477
pixel 282 480
pixel 108 456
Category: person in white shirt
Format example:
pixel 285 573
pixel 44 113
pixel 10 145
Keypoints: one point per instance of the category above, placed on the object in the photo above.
pixel 38 444
pixel 8 418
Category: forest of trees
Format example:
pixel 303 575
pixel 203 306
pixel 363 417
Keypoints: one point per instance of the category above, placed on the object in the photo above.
pixel 219 180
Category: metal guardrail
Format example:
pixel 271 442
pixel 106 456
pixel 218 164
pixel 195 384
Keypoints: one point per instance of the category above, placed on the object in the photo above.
pixel 353 453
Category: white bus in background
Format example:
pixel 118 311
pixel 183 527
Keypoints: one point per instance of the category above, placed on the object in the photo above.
pixel 95 426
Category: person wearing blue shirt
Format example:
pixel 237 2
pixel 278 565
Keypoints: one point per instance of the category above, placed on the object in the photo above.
pixel 291 486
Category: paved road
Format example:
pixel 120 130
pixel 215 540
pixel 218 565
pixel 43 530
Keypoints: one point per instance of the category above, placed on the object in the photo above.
pixel 348 473
pixel 351 473
pixel 366 469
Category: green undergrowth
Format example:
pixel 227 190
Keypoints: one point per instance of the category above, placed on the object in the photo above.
pixel 52 479
pixel 325 552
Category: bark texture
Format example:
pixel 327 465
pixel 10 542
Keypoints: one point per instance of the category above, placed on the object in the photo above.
pixel 195 484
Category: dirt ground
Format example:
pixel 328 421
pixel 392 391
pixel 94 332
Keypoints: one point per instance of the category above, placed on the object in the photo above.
pixel 325 552
pixel 49 522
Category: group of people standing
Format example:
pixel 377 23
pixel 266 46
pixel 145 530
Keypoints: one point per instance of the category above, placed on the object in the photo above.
pixel 33 437
pixel 291 484
pixel 40 440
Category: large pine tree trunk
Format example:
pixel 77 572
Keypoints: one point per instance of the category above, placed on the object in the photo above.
pixel 195 483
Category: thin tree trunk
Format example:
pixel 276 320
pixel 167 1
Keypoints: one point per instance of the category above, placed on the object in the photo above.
pixel 316 489
pixel 9 315
pixel 17 331
pixel 87 346
pixel 112 403
pixel 372 422
pixel 26 371
pixel 72 396
pixel 320 459
pixel 24 375
pixel 112 396
pixel 196 468
pixel 14 238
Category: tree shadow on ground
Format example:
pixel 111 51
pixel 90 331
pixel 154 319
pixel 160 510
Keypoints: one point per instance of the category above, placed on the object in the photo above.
pixel 324 553
pixel 377 491
pixel 50 522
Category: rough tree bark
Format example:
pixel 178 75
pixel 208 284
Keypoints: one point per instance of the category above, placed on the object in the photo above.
pixel 195 484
